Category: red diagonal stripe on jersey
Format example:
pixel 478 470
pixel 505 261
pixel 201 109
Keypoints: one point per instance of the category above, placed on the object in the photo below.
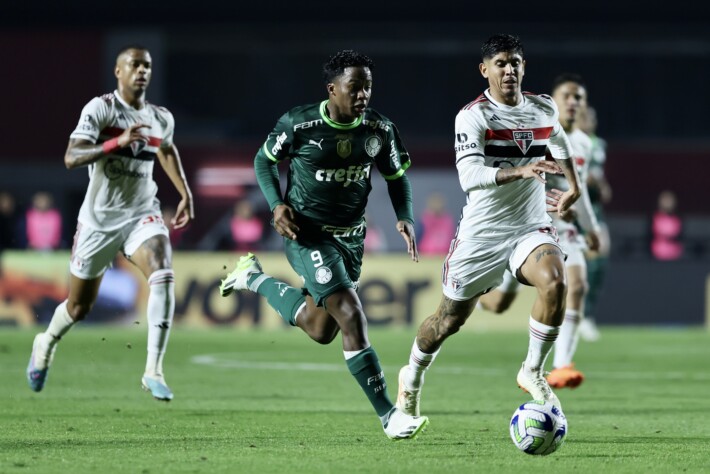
pixel 116 131
pixel 507 134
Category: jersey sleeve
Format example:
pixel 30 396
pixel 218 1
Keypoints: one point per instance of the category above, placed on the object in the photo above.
pixel 470 158
pixel 169 129
pixel 393 159
pixel 94 118
pixel 278 143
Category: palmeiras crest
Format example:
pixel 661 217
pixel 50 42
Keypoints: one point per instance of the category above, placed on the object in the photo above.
pixel 344 146
pixel 373 144
pixel 523 138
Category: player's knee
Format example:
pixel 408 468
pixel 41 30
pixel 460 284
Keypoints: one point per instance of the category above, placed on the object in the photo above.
pixel 577 289
pixel 554 289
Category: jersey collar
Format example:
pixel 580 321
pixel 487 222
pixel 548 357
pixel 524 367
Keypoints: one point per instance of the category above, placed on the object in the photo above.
pixel 333 123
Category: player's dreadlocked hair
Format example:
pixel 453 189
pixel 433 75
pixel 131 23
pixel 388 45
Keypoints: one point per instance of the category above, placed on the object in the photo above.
pixel 567 77
pixel 501 44
pixel 339 61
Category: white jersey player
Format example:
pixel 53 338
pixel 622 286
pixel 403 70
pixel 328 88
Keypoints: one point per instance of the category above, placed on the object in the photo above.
pixel 569 95
pixel 119 137
pixel 501 140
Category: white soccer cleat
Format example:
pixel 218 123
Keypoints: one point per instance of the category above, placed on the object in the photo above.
pixel 403 426
pixel 588 330
pixel 407 398
pixel 157 387
pixel 238 278
pixel 533 382
pixel 40 360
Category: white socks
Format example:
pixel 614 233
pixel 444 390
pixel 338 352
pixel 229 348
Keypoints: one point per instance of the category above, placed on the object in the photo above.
pixel 60 324
pixel 419 362
pixel 542 338
pixel 566 344
pixel 161 306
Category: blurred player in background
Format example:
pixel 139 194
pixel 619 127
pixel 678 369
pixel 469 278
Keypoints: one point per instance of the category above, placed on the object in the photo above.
pixel 570 96
pixel 119 137
pixel 333 147
pixel 500 143
pixel 600 195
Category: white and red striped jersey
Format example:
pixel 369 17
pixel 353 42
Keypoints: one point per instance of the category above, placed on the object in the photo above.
pixel 121 184
pixel 490 136
pixel 582 157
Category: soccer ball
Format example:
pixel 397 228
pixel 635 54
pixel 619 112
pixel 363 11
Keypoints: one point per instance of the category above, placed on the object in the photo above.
pixel 538 427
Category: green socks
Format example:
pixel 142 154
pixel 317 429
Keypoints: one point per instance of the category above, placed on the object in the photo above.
pixel 365 367
pixel 285 299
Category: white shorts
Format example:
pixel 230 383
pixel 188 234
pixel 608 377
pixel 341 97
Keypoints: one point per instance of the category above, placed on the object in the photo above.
pixel 474 267
pixel 574 246
pixel 94 250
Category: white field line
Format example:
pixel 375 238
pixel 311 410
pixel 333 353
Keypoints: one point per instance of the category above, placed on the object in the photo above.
pixel 232 361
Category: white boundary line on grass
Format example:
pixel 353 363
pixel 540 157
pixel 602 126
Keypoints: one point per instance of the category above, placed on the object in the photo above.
pixel 231 360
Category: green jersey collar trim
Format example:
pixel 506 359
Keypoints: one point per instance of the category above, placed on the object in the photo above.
pixel 398 173
pixel 333 123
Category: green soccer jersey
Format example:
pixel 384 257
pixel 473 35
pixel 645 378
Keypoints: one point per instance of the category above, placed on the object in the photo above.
pixel 331 162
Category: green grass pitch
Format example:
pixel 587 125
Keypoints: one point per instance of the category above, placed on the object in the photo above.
pixel 273 401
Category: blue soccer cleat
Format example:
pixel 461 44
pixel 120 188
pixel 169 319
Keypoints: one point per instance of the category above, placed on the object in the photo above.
pixel 157 387
pixel 40 360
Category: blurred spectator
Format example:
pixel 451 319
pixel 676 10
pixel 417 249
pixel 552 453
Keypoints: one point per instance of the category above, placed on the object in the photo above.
pixel 436 227
pixel 43 223
pixel 246 227
pixel 375 240
pixel 10 223
pixel 242 230
pixel 666 229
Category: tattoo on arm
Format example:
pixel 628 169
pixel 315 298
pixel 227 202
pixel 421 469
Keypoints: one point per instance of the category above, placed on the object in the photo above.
pixel 507 175
pixel 545 252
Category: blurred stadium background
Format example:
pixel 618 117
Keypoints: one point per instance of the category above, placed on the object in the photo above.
pixel 227 71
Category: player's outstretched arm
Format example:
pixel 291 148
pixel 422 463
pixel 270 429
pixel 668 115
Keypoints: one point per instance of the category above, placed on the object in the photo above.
pixel 530 171
pixel 83 152
pixel 170 161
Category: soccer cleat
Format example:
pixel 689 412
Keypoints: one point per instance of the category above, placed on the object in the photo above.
pixel 157 387
pixel 534 383
pixel 402 426
pixel 238 278
pixel 40 360
pixel 566 376
pixel 588 330
pixel 407 398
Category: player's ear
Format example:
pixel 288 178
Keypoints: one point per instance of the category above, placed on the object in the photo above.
pixel 331 88
pixel 484 70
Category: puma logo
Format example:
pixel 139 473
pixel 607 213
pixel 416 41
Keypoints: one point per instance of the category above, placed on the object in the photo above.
pixel 316 143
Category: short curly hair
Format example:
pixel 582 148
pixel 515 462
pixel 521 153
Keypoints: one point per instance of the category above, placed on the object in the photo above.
pixel 501 44
pixel 339 61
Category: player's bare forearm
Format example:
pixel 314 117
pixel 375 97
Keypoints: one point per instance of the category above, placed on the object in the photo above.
pixel 82 153
pixel 570 172
pixel 170 161
pixel 534 170
pixel 508 175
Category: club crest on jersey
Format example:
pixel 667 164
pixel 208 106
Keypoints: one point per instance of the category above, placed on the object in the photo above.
pixel 344 147
pixel 137 147
pixel 524 139
pixel 373 145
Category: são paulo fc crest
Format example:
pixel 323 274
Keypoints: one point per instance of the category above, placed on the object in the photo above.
pixel 323 275
pixel 523 138
pixel 373 144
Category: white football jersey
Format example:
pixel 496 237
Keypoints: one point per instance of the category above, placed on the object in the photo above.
pixel 582 156
pixel 496 136
pixel 121 184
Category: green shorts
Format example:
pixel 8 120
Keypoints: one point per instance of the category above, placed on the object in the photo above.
pixel 327 263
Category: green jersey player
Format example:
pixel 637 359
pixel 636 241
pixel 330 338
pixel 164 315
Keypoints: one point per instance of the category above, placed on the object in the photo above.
pixel 333 147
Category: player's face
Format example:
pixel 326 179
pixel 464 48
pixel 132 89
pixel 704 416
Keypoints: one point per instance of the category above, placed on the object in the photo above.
pixel 570 98
pixel 504 72
pixel 349 94
pixel 133 70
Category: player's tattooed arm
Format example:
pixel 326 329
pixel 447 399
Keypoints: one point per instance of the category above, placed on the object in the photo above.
pixel 529 171
pixel 447 320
